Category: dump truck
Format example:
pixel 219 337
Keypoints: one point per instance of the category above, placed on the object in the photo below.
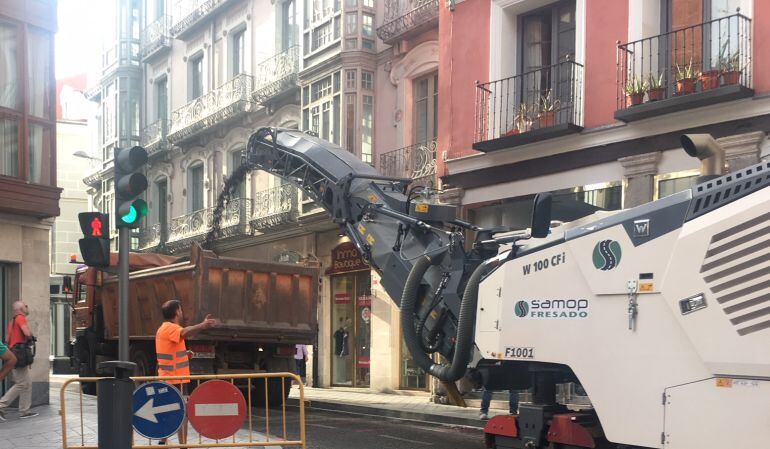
pixel 264 309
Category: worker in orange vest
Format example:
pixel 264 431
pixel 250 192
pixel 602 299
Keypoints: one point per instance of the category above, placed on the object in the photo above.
pixel 173 359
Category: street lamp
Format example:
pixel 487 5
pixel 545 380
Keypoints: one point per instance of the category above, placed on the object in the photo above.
pixel 84 155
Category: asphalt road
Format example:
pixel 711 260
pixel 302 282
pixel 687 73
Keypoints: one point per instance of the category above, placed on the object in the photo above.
pixel 336 430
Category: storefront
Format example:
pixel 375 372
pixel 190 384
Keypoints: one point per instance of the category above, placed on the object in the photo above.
pixel 351 317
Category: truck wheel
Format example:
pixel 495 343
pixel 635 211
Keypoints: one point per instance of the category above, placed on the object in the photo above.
pixel 81 357
pixel 142 360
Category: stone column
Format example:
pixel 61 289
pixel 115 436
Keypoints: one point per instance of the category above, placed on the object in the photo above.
pixel 742 150
pixel 639 175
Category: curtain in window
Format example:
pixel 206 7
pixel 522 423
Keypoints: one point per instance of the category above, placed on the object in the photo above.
pixel 9 70
pixel 39 73
pixel 9 147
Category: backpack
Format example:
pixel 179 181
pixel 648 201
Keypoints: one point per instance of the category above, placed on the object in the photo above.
pixel 24 352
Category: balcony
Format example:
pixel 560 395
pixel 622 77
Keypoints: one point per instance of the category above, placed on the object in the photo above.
pixel 219 106
pixel 190 15
pixel 697 66
pixel 156 37
pixel 195 226
pixel 422 16
pixel 276 75
pixel 537 105
pixel 154 138
pixel 417 162
pixel 275 208
pixel 151 238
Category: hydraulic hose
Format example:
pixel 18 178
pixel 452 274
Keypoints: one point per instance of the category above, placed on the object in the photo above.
pixel 465 323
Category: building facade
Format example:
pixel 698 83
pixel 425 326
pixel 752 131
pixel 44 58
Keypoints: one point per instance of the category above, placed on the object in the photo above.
pixel 587 99
pixel 29 196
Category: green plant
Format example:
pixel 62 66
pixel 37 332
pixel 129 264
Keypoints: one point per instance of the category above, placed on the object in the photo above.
pixel 687 73
pixel 731 63
pixel 636 85
pixel 523 121
pixel 547 103
pixel 655 82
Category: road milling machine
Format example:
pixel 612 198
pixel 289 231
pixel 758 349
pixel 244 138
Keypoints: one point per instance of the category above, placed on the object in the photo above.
pixel 644 328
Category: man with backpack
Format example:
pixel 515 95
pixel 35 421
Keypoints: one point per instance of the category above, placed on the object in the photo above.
pixel 18 338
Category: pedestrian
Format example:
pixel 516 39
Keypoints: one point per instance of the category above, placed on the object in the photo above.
pixel 300 358
pixel 486 399
pixel 19 333
pixel 170 347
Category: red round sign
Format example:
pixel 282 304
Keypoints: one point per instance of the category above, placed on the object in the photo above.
pixel 216 409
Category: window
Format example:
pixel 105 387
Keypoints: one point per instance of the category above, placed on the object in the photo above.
pixel 671 183
pixel 195 187
pixel 351 44
pixel 350 79
pixel 161 99
pixel 322 35
pixel 350 122
pixel 367 124
pixel 351 3
pixel 369 3
pixel 321 114
pixel 321 89
pixel 160 8
pixel 196 77
pixel 161 208
pixel 425 110
pixel 351 23
pixel 236 159
pixel 238 52
pixel 367 44
pixel 26 127
pixel 367 80
pixel 367 25
pixel 289 26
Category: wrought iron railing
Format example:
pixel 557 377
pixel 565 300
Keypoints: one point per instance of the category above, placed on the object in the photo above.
pixel 226 101
pixel 537 99
pixel 156 36
pixel 154 137
pixel 417 162
pixel 274 207
pixel 423 14
pixel 195 226
pixel 694 59
pixel 190 12
pixel 151 236
pixel 276 74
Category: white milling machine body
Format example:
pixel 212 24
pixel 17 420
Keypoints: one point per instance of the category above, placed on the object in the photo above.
pixel 659 314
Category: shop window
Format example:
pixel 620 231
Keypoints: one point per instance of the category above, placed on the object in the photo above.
pixel 351 329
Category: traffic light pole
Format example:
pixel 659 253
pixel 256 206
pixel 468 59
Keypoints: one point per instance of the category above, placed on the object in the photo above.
pixel 124 244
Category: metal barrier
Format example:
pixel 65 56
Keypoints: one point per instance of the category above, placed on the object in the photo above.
pixel 252 439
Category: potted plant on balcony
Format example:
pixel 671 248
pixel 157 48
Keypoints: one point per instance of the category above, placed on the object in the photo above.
pixel 522 122
pixel 656 90
pixel 686 79
pixel 635 89
pixel 548 108
pixel 731 67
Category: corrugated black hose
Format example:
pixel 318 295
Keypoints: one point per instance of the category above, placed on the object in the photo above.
pixel 465 323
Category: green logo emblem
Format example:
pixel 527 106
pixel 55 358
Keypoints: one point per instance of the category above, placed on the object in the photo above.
pixel 607 255
pixel 521 309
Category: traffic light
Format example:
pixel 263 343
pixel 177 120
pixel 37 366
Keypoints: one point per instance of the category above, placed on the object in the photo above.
pixel 95 244
pixel 130 182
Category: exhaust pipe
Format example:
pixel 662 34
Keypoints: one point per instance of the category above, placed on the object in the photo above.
pixel 710 153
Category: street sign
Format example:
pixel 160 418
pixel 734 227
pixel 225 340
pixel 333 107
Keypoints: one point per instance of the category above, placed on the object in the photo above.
pixel 216 409
pixel 158 410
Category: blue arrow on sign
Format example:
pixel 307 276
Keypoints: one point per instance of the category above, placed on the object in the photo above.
pixel 159 410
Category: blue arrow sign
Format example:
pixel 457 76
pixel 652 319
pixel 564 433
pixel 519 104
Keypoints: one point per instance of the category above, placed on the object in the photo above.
pixel 159 410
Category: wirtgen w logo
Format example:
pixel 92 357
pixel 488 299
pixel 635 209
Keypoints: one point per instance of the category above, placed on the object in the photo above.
pixel 607 255
pixel 552 308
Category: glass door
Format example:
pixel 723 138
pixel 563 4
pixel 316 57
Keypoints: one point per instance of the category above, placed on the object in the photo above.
pixel 351 329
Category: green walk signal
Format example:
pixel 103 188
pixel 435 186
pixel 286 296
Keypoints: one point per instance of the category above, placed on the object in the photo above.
pixel 130 183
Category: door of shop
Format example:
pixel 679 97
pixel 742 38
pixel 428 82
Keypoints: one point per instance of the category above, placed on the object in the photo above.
pixel 351 312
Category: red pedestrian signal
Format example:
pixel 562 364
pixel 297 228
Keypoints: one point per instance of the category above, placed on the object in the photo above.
pixel 96 227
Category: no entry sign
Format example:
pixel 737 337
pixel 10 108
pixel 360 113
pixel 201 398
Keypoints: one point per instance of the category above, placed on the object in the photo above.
pixel 216 409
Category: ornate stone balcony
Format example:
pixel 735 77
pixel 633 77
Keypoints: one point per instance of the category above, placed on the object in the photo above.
pixel 421 15
pixel 276 75
pixel 151 238
pixel 154 137
pixel 224 103
pixel 189 14
pixel 274 208
pixel 194 227
pixel 156 37
pixel 417 162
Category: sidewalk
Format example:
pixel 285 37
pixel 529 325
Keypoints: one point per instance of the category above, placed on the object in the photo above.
pixel 414 406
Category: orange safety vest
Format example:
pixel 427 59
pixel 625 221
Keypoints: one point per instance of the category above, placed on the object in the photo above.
pixel 172 352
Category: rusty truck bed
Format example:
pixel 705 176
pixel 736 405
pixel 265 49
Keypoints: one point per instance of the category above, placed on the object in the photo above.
pixel 263 301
